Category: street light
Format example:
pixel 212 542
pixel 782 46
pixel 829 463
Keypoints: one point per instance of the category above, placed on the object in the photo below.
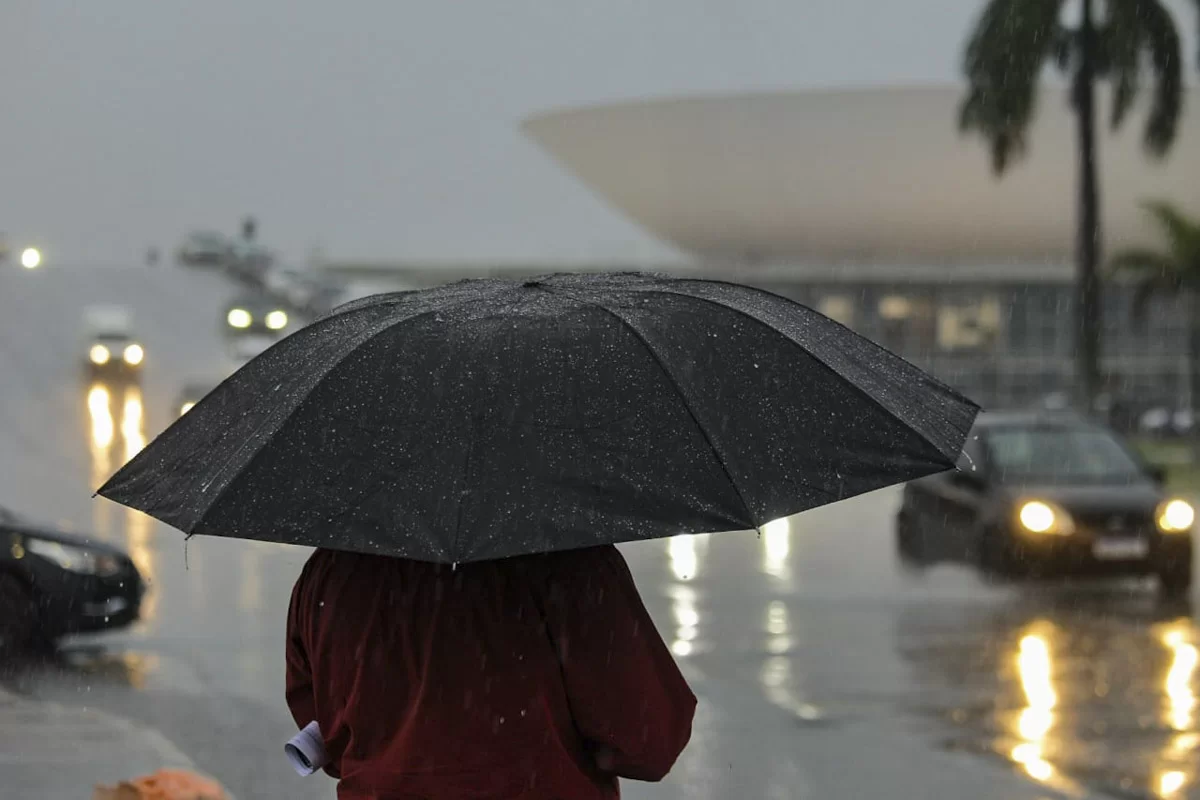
pixel 31 258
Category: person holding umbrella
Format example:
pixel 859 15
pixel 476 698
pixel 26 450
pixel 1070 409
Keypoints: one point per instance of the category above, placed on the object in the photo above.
pixel 466 456
pixel 529 677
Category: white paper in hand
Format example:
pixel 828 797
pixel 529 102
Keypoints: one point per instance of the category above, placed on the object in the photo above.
pixel 306 750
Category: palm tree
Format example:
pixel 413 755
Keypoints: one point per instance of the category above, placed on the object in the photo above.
pixel 1173 271
pixel 1120 41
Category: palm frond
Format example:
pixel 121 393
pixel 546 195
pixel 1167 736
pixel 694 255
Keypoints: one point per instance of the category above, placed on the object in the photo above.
pixel 1134 35
pixel 1182 233
pixel 1161 40
pixel 1143 262
pixel 1146 290
pixel 1120 41
pixel 1004 57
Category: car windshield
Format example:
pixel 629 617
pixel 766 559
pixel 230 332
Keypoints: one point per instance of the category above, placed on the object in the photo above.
pixel 1061 455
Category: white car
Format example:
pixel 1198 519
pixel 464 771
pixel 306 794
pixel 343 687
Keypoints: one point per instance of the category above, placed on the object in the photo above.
pixel 248 261
pixel 296 287
pixel 244 348
pixel 111 349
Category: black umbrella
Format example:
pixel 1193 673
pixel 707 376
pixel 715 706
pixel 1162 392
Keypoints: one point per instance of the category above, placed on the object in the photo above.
pixel 493 418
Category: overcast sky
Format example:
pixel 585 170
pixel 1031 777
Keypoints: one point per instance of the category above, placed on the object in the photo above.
pixel 385 129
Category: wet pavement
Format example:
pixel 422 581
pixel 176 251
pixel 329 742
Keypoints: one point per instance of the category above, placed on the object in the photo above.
pixel 823 668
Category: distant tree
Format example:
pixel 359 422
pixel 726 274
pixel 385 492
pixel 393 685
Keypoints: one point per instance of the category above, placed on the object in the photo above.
pixel 249 228
pixel 1173 271
pixel 1118 41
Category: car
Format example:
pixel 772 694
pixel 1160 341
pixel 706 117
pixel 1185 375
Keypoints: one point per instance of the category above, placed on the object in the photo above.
pixel 111 350
pixel 256 313
pixel 296 287
pixel 248 262
pixel 53 583
pixel 1049 495
pixel 205 249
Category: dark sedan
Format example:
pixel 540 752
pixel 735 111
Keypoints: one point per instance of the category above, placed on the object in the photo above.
pixel 53 583
pixel 1043 495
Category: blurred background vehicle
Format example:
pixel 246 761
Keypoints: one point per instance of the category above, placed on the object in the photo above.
pixel 249 262
pixel 256 313
pixel 53 583
pixel 293 286
pixel 205 249
pixel 111 349
pixel 1050 496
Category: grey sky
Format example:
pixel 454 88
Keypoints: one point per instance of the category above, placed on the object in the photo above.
pixel 383 129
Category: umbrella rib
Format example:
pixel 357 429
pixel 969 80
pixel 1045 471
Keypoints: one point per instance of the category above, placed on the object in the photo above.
pixel 860 390
pixel 466 468
pixel 687 405
pixel 292 412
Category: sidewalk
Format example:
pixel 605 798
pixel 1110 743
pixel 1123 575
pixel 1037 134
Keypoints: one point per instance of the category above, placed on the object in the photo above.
pixel 53 752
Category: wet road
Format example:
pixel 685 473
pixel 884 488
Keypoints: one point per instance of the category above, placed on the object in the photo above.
pixel 823 668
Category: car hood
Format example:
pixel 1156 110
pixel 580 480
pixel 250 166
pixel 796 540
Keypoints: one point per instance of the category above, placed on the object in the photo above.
pixel 36 531
pixel 1094 498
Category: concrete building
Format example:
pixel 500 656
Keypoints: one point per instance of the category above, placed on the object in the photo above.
pixel 869 206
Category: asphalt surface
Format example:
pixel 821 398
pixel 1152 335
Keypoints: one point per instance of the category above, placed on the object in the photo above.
pixel 823 668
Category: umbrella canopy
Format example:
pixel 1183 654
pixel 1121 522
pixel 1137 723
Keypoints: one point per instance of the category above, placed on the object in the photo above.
pixel 491 418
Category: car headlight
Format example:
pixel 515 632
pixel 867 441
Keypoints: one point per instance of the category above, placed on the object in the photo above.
pixel 186 407
pixel 1044 517
pixel 277 320
pixel 74 559
pixel 133 354
pixel 238 318
pixel 99 354
pixel 1175 516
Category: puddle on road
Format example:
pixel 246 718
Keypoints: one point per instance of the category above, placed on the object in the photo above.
pixel 1096 688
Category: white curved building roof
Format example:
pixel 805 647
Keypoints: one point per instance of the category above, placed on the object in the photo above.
pixel 878 175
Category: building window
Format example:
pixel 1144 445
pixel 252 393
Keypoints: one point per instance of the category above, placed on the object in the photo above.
pixel 838 308
pixel 894 308
pixel 969 326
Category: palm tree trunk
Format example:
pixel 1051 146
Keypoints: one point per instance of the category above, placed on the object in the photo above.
pixel 1088 291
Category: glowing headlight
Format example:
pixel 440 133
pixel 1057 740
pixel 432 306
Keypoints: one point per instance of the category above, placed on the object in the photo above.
pixel 238 318
pixel 99 354
pixel 133 354
pixel 277 320
pixel 1039 516
pixel 74 559
pixel 1175 516
pixel 186 407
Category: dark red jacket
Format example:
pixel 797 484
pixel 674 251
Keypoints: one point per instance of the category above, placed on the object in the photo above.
pixel 503 679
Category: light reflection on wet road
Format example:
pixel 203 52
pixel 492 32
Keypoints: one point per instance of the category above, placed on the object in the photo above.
pixel 1094 687
pixel 803 641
